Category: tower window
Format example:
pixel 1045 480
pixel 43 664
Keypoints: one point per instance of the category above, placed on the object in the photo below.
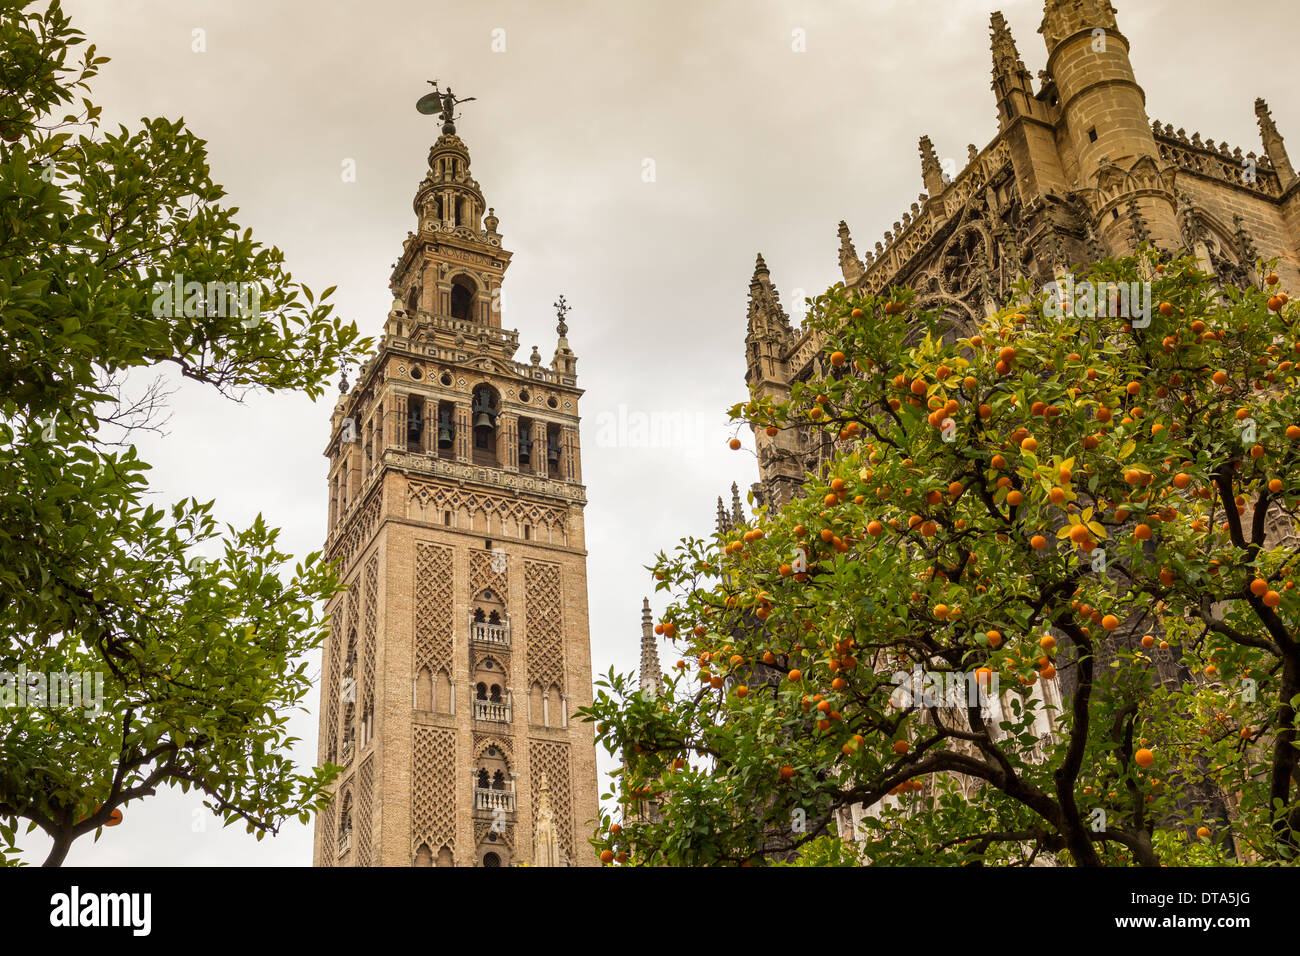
pixel 446 518
pixel 528 532
pixel 414 423
pixel 462 298
pixel 1092 135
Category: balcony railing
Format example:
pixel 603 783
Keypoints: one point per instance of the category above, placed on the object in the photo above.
pixel 492 710
pixel 494 800
pixel 496 634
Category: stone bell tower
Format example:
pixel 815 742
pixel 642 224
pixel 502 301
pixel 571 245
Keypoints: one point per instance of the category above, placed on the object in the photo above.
pixel 459 650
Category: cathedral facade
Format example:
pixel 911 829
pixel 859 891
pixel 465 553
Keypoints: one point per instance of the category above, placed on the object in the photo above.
pixel 459 649
pixel 1078 171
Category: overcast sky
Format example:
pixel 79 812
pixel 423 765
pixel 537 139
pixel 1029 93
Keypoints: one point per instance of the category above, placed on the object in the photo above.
pixel 755 147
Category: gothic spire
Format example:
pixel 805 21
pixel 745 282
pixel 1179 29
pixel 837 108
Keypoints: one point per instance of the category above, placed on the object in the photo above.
pixel 931 171
pixel 1012 84
pixel 737 513
pixel 651 675
pixel 850 264
pixel 722 517
pixel 1273 146
pixel 547 844
pixel 766 317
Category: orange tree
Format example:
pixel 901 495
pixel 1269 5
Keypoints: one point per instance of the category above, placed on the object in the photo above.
pixel 1095 516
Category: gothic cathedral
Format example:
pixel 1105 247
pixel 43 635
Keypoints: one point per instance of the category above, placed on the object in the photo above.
pixel 1077 172
pixel 459 650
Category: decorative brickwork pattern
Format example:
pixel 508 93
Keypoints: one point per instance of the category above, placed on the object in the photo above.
pixel 433 789
pixel 365 801
pixel 434 575
pixel 545 623
pixel 368 658
pixel 482 575
pixel 507 515
pixel 552 758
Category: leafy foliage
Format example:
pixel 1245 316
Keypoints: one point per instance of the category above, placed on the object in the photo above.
pixel 201 659
pixel 1097 515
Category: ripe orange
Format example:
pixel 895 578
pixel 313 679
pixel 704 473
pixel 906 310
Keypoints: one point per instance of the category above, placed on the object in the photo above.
pixel 1144 757
pixel 1182 480
pixel 1015 498
pixel 787 772
pixel 1275 485
pixel 900 747
pixel 1203 833
pixel 1272 599
pixel 1047 642
pixel 837 359
pixel 1293 432
pixel 1258 587
pixel 1220 377
pixel 796 675
pixel 1038 542
pixel 994 638
pixel 1030 444
pixel 607 857
pixel 1142 532
pixel 1110 622
pixel 1148 641
pixel 1166 309
pixel 875 529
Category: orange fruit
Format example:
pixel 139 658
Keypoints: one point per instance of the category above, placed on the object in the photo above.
pixel 607 857
pixel 1203 833
pixel 900 747
pixel 1144 757
pixel 796 675
pixel 1110 622
pixel 837 359
pixel 1148 641
pixel 1142 532
pixel 1258 587
pixel 1272 599
pixel 994 638
pixel 1015 498
pixel 1038 542
pixel 1047 642
pixel 734 443
pixel 1029 444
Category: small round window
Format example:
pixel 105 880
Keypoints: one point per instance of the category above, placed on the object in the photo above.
pixel 446 378
pixel 523 395
pixel 552 403
pixel 416 373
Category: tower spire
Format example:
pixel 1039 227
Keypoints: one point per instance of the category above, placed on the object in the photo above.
pixel 651 675
pixel 1273 146
pixel 737 513
pixel 1012 84
pixel 850 264
pixel 547 852
pixel 931 171
pixel 722 517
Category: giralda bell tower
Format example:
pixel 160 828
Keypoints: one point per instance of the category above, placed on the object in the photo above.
pixel 459 650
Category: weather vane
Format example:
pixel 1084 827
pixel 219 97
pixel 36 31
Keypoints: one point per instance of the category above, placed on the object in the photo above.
pixel 561 310
pixel 444 103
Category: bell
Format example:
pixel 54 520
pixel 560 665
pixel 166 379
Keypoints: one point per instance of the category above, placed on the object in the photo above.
pixel 553 454
pixel 525 451
pixel 482 420
pixel 444 436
